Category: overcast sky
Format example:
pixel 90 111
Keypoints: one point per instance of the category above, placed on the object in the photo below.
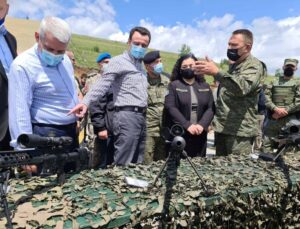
pixel 204 25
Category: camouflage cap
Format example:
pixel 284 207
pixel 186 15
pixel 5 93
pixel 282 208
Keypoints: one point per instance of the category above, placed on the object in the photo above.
pixel 290 61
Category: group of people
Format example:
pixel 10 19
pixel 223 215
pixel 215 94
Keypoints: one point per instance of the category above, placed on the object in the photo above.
pixel 132 98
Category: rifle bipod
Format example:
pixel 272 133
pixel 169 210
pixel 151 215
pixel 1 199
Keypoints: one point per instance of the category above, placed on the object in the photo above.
pixel 4 176
pixel 173 161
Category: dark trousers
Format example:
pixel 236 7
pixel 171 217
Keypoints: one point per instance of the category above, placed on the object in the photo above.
pixel 196 144
pixel 232 144
pixel 129 129
pixel 105 150
pixel 50 130
pixel 4 143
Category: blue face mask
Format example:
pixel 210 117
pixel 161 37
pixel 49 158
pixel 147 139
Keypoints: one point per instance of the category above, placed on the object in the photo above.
pixel 50 59
pixel 137 52
pixel 158 68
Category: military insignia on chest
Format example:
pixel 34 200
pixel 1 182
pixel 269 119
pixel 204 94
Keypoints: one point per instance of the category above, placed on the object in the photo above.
pixel 181 90
pixel 203 89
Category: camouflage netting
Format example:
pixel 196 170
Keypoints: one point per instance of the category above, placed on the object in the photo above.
pixel 247 194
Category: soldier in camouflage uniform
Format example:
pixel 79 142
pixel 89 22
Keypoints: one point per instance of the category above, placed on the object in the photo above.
pixel 157 87
pixel 282 102
pixel 235 121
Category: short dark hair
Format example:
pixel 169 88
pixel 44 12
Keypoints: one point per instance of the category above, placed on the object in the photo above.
pixel 176 73
pixel 247 34
pixel 142 30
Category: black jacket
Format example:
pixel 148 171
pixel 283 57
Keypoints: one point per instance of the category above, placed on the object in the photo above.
pixel 12 44
pixel 101 113
pixel 178 103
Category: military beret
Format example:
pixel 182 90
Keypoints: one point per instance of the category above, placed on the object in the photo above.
pixel 103 56
pixel 150 57
pixel 289 61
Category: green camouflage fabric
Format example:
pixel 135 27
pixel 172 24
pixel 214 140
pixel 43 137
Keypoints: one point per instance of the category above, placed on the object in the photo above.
pixel 236 106
pixel 229 144
pixel 92 76
pixel 157 88
pixel 289 98
pixel 258 141
pixel 155 149
pixel 289 94
pixel 246 193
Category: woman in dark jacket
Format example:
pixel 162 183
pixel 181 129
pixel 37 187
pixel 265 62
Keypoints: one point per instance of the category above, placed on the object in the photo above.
pixel 190 104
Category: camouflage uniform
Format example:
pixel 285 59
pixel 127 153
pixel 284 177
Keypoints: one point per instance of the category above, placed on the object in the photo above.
pixel 91 78
pixel 235 121
pixel 90 137
pixel 282 93
pixel 155 145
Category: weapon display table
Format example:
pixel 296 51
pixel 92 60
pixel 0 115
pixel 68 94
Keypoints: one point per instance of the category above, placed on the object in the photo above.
pixel 247 192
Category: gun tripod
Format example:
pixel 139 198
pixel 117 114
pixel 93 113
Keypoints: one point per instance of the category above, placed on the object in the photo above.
pixel 172 163
pixel 4 176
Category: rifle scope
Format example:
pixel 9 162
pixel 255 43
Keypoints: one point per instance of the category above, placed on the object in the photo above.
pixel 36 141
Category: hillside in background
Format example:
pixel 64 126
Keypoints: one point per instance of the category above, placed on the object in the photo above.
pixel 85 48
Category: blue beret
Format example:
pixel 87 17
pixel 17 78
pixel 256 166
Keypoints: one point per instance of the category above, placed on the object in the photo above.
pixel 103 56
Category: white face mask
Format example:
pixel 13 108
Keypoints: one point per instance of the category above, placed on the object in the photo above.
pixel 104 67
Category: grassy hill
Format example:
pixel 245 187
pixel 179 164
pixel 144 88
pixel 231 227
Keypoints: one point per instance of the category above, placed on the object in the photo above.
pixel 23 31
pixel 85 48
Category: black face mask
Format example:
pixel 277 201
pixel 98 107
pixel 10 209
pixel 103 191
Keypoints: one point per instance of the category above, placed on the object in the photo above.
pixel 232 54
pixel 289 72
pixel 187 73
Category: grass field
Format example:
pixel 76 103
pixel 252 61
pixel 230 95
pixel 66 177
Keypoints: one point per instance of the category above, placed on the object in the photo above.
pixel 85 48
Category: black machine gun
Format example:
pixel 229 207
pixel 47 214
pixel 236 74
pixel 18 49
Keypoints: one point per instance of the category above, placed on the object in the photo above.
pixel 49 153
pixel 288 135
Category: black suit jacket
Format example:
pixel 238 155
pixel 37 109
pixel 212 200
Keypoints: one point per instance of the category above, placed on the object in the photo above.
pixel 12 44
pixel 101 113
pixel 178 104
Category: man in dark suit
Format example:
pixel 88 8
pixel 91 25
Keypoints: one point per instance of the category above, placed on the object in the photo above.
pixel 8 52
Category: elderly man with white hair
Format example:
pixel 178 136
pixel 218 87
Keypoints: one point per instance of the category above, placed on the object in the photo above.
pixel 41 86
